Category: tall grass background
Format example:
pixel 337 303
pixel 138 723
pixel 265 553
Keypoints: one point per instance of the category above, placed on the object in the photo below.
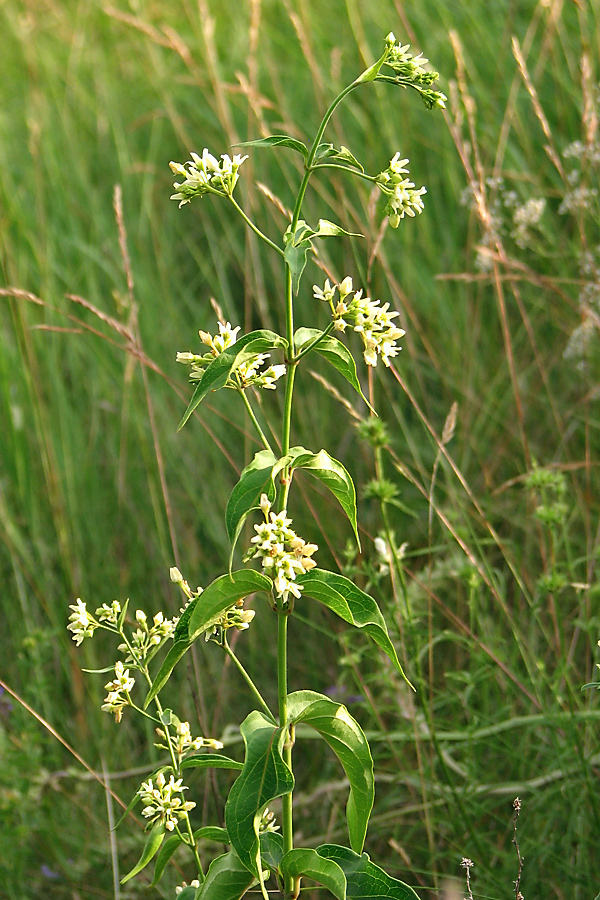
pixel 102 280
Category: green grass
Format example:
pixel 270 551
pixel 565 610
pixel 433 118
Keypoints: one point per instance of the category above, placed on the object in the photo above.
pixel 91 98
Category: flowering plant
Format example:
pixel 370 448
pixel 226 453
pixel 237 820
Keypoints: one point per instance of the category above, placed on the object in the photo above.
pixel 289 571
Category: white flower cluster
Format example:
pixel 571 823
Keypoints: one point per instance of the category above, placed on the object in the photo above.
pixel 194 883
pixel 249 375
pixel 118 692
pixel 206 175
pixel 283 554
pixel 237 617
pixel 161 806
pixel 402 197
pixel 372 321
pixel 82 623
pixel 526 217
pixel 146 637
pixel 182 741
pixel 246 375
pixel 267 822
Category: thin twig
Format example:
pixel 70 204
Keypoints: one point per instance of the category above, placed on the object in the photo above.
pixel 517 809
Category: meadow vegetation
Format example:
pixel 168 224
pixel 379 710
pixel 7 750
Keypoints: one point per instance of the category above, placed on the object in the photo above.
pixel 488 451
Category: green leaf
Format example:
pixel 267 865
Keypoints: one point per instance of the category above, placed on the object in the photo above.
pixel 325 871
pixel 346 156
pixel 153 842
pixel 202 612
pixel 256 479
pixel 336 353
pixel 122 614
pixel 325 150
pixel 264 777
pixel 271 848
pixel 277 140
pixel 333 475
pixel 372 72
pixel 166 852
pixel 347 740
pixel 188 893
pixel 347 601
pixel 209 832
pixel 365 880
pixel 210 761
pixel 179 649
pixel 212 833
pixel 99 671
pixel 297 246
pixel 295 257
pixel 226 879
pixel 326 228
pixel 222 594
pixel 342 156
pixel 219 370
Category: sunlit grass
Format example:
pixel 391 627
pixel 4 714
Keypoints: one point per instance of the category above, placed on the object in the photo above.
pixel 93 97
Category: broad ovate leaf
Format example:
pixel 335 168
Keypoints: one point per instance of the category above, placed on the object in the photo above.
pixel 354 606
pixel 365 880
pixel 271 849
pixel 297 863
pixel 333 475
pixel 227 879
pixel 264 777
pixel 335 352
pixel 347 740
pixel 217 372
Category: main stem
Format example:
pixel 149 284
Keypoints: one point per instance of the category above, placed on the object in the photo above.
pixel 287 825
pixel 290 884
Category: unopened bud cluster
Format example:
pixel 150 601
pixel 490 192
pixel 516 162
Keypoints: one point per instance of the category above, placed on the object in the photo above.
pixel 365 316
pixel 402 196
pixel 206 175
pixel 410 70
pixel 147 635
pixel 283 554
pixel 162 807
pixel 248 374
pixel 182 742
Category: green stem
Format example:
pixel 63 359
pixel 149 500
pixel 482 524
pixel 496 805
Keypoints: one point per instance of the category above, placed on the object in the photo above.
pixel 357 172
pixel 287 826
pixel 315 342
pixel 291 887
pixel 254 228
pixel 255 421
pixel 248 681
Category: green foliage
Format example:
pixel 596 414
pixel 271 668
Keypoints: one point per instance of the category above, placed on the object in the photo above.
pixel 347 601
pixel 221 368
pixel 265 777
pixel 227 879
pixel 345 737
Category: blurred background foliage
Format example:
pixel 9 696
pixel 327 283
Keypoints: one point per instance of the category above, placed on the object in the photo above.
pixel 498 285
